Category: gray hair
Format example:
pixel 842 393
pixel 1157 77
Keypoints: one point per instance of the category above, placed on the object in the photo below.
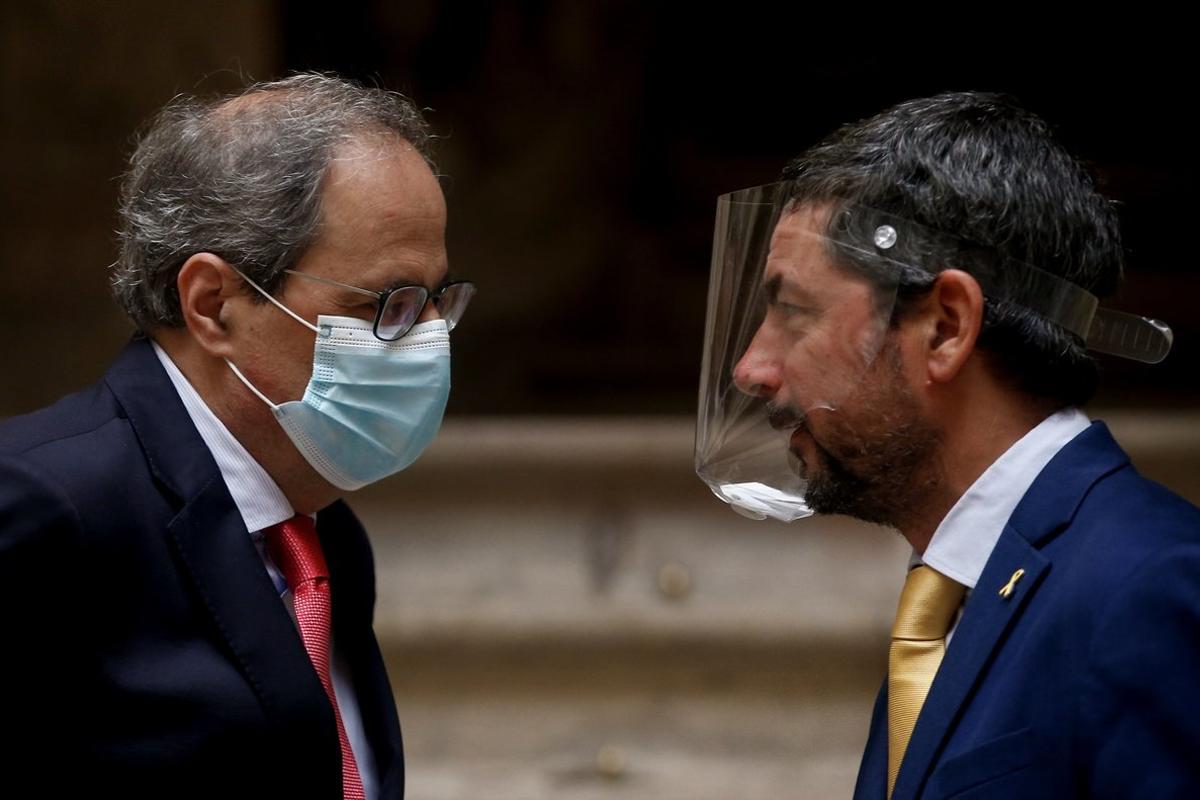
pixel 240 177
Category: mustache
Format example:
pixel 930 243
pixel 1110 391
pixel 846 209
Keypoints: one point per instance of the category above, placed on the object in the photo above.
pixel 783 417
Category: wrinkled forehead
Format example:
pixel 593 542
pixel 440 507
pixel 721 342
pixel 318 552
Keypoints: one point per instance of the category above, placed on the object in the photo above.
pixel 802 257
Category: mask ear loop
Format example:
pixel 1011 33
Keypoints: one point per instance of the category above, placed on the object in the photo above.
pixel 278 304
pixel 250 385
pixel 285 310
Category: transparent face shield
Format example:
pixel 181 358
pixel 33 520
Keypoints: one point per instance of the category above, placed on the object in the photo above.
pixel 800 304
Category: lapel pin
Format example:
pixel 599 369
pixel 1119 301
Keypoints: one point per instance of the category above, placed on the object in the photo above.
pixel 1007 590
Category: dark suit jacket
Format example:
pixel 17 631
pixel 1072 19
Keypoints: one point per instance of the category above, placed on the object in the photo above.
pixel 146 651
pixel 1085 681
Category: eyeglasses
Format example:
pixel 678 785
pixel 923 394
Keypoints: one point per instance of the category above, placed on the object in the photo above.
pixel 400 308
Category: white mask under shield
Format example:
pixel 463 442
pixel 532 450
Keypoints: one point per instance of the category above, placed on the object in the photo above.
pixel 818 284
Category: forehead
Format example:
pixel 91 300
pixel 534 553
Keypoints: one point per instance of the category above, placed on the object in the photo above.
pixel 383 215
pixel 381 185
pixel 831 316
pixel 799 250
pixel 801 261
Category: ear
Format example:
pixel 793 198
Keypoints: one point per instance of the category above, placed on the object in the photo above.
pixel 953 313
pixel 207 284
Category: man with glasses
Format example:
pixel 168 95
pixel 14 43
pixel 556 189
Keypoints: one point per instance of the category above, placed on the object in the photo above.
pixel 188 602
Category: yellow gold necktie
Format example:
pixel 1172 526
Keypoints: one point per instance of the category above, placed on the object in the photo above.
pixel 927 607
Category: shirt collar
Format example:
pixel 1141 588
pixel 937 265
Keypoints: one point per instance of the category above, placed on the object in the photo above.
pixel 258 498
pixel 964 540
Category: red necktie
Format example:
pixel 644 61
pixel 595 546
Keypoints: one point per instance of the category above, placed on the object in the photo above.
pixel 296 550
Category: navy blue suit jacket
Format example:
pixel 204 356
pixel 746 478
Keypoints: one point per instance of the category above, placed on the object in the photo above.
pixel 145 649
pixel 1085 681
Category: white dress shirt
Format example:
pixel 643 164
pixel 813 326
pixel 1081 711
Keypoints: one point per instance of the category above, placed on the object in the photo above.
pixel 262 504
pixel 964 540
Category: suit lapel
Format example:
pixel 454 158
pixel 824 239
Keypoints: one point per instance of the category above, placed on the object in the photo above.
pixel 352 583
pixel 222 563
pixel 872 772
pixel 219 559
pixel 986 618
pixel 1045 511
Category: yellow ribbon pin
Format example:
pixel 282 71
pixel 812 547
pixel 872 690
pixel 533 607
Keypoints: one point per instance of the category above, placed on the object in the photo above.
pixel 1007 589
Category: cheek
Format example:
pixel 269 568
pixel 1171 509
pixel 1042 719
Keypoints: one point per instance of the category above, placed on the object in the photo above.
pixel 281 356
pixel 293 360
pixel 854 330
pixel 822 374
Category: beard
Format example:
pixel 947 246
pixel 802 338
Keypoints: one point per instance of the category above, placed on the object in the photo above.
pixel 876 457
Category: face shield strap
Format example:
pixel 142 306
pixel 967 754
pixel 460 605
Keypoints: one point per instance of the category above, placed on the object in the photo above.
pixel 1102 330
pixel 1055 299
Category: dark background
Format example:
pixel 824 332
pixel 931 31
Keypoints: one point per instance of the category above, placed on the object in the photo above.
pixel 583 145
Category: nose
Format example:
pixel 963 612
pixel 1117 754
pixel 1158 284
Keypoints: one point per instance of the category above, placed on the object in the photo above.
pixel 430 312
pixel 757 372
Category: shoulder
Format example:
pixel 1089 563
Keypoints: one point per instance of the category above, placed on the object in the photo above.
pixel 84 451
pixel 39 525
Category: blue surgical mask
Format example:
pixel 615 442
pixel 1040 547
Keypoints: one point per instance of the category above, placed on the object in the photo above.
pixel 371 406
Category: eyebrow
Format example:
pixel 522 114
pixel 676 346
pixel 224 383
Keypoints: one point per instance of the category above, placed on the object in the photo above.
pixel 405 281
pixel 777 284
pixel 445 281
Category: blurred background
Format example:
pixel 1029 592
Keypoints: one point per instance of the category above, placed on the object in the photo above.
pixel 566 610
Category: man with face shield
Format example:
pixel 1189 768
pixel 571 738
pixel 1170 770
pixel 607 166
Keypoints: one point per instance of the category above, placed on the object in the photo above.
pixel 188 603
pixel 899 331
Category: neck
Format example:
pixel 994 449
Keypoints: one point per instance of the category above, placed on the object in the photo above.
pixel 250 421
pixel 973 433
